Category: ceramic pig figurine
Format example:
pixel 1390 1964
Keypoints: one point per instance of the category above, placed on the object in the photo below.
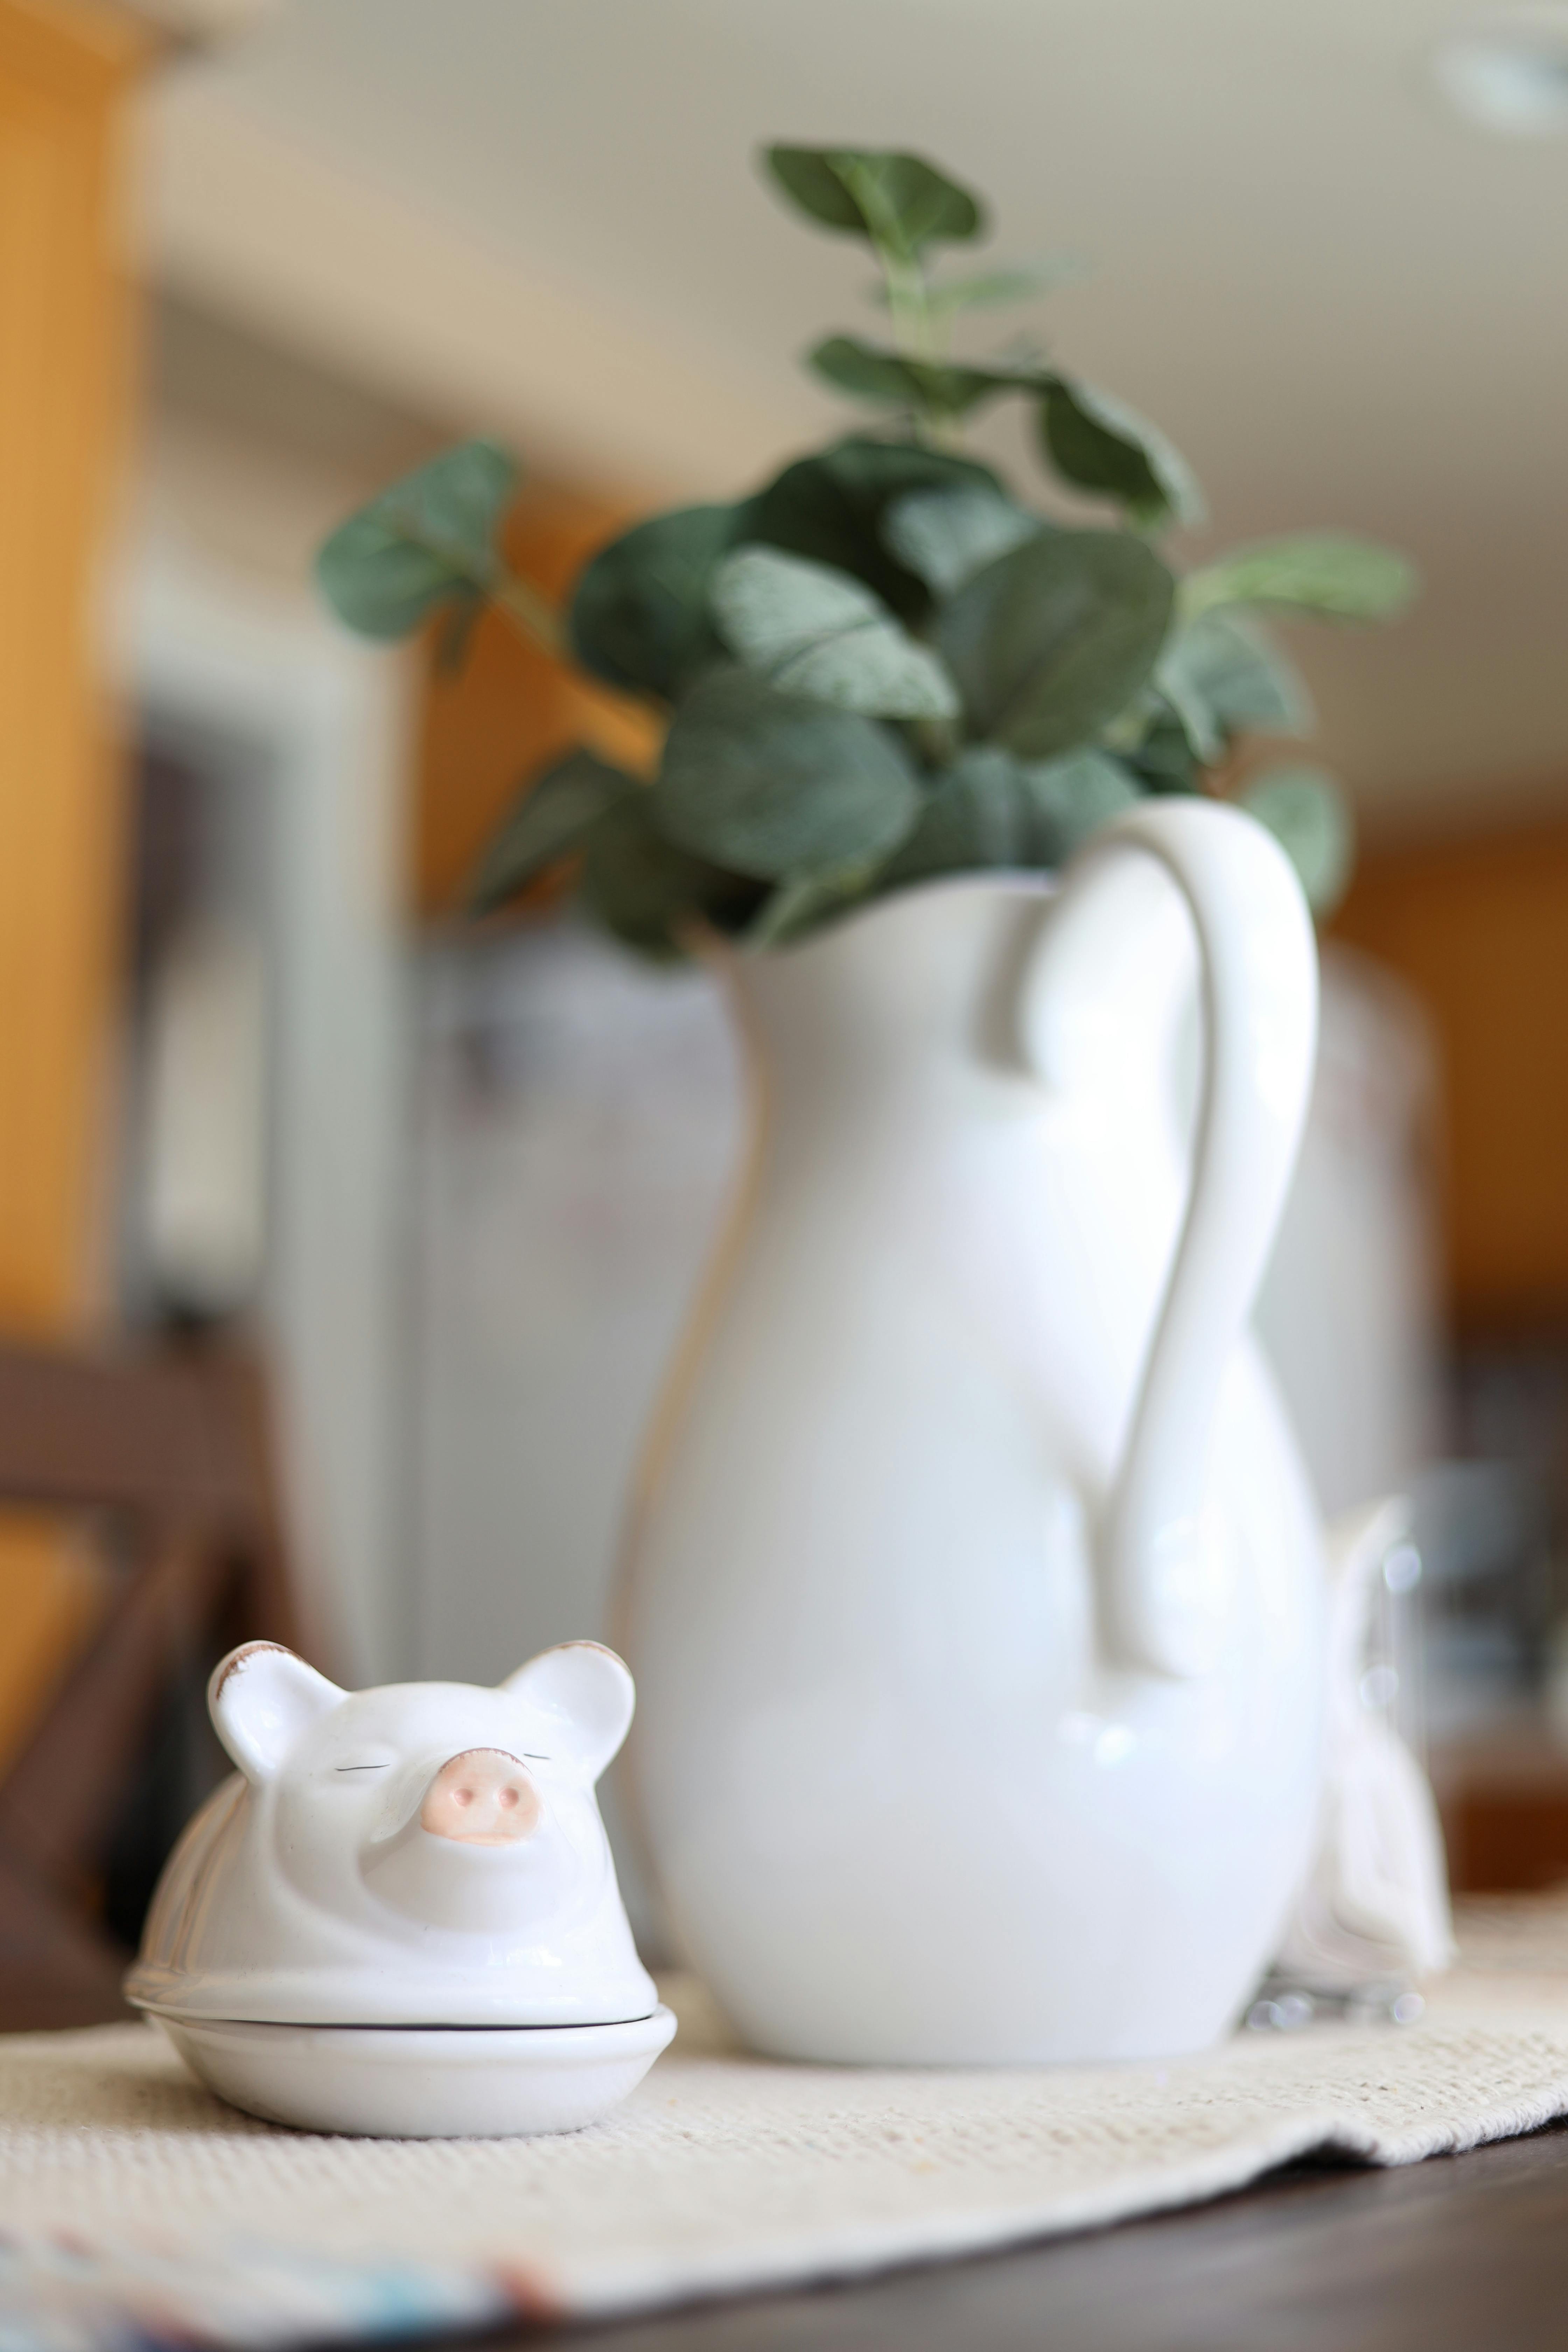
pixel 415 1859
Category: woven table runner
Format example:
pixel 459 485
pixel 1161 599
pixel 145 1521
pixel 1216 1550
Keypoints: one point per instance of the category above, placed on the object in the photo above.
pixel 134 2206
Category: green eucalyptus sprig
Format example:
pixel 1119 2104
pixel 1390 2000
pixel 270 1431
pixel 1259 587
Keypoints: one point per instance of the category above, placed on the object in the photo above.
pixel 882 666
pixel 902 207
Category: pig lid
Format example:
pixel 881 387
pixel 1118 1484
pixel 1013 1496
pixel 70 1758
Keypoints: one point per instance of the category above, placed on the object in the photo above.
pixel 263 1698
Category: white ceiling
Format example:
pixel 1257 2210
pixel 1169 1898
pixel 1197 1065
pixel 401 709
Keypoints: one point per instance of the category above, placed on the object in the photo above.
pixel 1346 306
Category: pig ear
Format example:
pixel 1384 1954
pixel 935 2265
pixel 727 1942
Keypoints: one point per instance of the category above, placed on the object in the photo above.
pixel 584 1697
pixel 261 1697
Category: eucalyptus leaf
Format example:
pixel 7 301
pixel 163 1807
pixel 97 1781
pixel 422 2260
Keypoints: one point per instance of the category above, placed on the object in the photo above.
pixel 1308 812
pixel 829 508
pixel 1179 699
pixel 946 536
pixel 547 824
pixel 647 891
pixel 990 810
pixel 772 785
pixel 428 539
pixel 1050 641
pixel 814 631
pixel 891 380
pixel 1067 799
pixel 1100 445
pixel 1223 676
pixel 1328 573
pixel 1094 443
pixel 896 201
pixel 969 820
pixel 803 902
pixel 640 617
pixel 1159 755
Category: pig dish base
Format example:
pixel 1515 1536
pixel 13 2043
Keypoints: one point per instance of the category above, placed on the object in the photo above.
pixel 429 2082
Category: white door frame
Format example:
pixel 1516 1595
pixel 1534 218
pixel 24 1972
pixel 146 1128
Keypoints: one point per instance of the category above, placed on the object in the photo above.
pixel 205 645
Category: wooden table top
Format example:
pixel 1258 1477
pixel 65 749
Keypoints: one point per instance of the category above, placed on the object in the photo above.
pixel 1459 2254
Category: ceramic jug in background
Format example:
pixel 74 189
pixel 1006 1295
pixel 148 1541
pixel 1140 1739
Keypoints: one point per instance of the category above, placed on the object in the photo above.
pixel 975 1594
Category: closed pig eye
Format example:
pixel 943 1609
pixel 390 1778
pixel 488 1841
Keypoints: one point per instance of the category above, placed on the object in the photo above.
pixel 359 1768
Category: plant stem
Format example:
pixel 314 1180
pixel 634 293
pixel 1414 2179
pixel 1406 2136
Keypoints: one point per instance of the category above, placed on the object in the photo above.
pixel 535 620
pixel 908 304
pixel 916 329
pixel 938 740
pixel 530 613
pixel 920 330
pixel 920 326
pixel 538 624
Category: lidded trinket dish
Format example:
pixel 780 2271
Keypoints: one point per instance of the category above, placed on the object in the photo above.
pixel 400 1918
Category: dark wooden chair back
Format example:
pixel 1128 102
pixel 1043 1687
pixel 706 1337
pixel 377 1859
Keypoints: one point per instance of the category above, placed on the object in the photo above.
pixel 171 1450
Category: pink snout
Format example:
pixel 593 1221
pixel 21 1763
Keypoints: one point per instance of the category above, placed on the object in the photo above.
pixel 483 1797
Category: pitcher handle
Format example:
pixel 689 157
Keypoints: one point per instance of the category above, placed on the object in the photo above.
pixel 1259 994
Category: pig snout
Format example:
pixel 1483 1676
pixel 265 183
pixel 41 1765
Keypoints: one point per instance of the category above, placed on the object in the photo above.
pixel 483 1797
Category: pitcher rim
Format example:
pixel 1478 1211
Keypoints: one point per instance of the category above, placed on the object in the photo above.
pixel 1004 881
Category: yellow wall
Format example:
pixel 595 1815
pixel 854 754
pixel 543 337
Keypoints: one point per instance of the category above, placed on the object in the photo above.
pixel 64 316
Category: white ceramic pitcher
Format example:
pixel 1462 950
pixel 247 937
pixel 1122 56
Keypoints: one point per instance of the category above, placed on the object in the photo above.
pixel 975 1594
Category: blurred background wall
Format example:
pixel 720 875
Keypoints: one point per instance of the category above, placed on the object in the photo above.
pixel 255 1082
